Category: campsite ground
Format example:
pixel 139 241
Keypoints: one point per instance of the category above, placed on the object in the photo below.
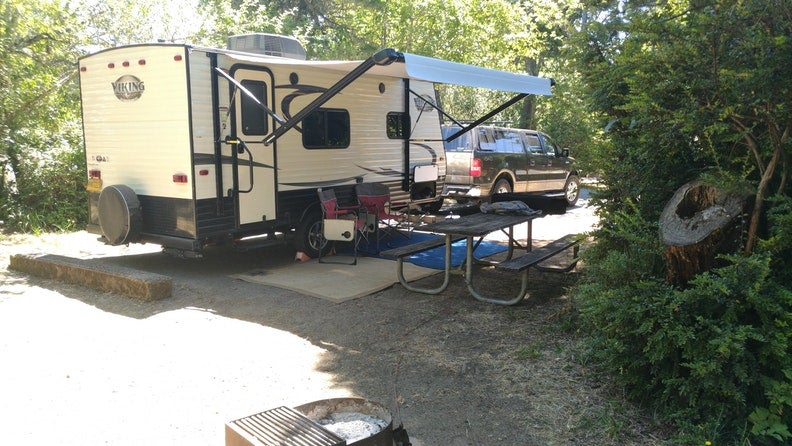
pixel 82 367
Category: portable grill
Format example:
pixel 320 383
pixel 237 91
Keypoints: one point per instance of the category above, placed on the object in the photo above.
pixel 284 426
pixel 279 426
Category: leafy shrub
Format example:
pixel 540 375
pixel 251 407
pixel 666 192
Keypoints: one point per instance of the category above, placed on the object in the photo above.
pixel 714 358
pixel 48 194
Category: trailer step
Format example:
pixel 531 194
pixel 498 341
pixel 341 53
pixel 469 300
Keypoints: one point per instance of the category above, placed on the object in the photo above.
pixel 257 243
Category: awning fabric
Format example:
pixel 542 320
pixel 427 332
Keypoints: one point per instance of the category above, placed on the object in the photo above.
pixel 431 70
pixel 445 72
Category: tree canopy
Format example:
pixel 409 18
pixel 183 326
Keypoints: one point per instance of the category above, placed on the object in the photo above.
pixel 39 108
pixel 693 88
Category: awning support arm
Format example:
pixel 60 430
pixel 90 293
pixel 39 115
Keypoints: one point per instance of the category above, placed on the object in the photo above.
pixel 382 57
pixel 250 95
pixel 442 112
pixel 484 118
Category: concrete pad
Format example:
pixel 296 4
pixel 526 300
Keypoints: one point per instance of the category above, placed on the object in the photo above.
pixel 96 274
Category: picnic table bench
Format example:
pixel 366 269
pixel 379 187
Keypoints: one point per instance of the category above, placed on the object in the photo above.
pixel 402 252
pixel 523 263
pixel 539 255
pixel 415 248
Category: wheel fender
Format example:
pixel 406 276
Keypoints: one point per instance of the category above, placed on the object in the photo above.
pixel 507 175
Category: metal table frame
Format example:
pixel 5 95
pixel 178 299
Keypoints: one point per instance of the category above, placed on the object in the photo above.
pixel 471 227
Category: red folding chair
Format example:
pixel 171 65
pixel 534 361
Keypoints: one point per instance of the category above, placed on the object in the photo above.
pixel 374 198
pixel 340 224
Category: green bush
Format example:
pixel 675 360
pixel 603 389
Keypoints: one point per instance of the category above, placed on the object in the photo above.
pixel 48 194
pixel 714 358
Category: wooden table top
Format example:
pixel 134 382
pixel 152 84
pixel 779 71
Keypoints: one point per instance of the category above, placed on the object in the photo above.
pixel 476 225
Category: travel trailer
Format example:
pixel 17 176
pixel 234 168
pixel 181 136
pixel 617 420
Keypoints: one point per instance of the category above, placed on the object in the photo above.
pixel 188 147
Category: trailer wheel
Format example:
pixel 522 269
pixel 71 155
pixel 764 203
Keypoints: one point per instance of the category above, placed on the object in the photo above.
pixel 310 238
pixel 434 207
pixel 120 214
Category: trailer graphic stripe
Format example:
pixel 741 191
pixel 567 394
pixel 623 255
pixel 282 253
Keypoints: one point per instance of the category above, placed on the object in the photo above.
pixel 207 158
pixel 323 183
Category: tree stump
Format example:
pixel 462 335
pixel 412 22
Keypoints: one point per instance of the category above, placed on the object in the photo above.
pixel 698 223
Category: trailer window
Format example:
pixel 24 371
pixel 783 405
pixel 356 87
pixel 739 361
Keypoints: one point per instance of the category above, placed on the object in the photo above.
pixel 395 124
pixel 254 119
pixel 326 128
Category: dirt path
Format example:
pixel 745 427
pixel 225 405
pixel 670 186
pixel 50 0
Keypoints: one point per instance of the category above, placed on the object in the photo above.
pixel 81 367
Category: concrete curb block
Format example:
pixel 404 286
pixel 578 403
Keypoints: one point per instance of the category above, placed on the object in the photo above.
pixel 94 274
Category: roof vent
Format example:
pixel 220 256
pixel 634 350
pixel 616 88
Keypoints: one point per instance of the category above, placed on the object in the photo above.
pixel 267 44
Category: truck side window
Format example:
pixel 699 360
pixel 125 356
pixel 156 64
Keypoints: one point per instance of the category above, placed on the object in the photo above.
pixel 534 146
pixel 254 119
pixel 551 147
pixel 508 142
pixel 486 142
pixel 461 144
pixel 326 128
pixel 395 124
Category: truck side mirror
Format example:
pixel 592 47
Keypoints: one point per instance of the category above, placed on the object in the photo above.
pixel 565 152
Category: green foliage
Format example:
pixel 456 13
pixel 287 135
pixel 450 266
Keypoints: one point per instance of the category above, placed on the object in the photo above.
pixel 713 358
pixel 40 150
pixel 687 90
pixel 778 244
pixel 49 190
pixel 108 23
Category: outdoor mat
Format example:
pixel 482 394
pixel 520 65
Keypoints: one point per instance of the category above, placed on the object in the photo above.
pixel 335 282
pixel 435 258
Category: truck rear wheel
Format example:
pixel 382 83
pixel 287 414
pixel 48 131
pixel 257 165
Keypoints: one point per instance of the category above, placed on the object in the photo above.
pixel 310 238
pixel 502 186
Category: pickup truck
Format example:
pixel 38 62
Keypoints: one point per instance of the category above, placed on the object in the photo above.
pixel 490 159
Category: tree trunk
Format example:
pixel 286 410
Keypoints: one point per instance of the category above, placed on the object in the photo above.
pixel 527 118
pixel 697 224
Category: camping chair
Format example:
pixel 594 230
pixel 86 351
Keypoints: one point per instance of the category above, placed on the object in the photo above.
pixel 339 224
pixel 374 198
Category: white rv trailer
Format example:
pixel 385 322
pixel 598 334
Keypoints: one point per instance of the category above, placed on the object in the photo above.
pixel 189 146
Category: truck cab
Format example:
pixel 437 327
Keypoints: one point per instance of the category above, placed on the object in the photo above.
pixel 492 159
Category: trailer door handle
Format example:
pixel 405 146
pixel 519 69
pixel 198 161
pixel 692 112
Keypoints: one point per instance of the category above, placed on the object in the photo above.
pixel 250 165
pixel 241 147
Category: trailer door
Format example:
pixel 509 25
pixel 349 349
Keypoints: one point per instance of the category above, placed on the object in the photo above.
pixel 255 166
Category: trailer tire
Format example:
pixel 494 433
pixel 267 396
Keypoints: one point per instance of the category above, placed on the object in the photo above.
pixel 310 239
pixel 120 214
pixel 434 207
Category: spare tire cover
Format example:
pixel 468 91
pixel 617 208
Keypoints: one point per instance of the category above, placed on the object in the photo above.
pixel 120 216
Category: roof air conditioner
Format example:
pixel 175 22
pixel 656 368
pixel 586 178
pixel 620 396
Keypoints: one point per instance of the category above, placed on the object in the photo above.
pixel 267 44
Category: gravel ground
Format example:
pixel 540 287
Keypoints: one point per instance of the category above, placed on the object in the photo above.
pixel 82 367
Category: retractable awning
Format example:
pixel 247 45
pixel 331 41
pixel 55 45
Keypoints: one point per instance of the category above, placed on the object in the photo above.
pixel 445 72
pixel 407 65
pixel 388 62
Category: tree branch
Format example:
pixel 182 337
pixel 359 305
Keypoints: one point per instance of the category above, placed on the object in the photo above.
pixel 751 142
pixel 12 114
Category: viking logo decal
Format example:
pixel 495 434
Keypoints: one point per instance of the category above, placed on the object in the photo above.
pixel 128 88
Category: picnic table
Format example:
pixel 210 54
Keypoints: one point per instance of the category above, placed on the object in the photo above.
pixel 478 226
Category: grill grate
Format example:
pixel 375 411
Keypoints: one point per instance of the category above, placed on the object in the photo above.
pixel 285 426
